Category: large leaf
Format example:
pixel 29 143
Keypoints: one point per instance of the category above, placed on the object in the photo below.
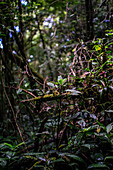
pixel 73 92
pixel 87 146
pixel 98 166
pixel 34 154
pixel 51 84
pixel 109 127
pixel 75 157
pixel 7 145
pixel 108 158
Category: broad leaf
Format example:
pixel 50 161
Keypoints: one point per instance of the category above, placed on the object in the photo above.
pixel 98 166
pixel 75 157
pixel 109 127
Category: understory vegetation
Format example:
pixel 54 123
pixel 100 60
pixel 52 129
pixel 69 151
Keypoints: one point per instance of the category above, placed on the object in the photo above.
pixel 56 72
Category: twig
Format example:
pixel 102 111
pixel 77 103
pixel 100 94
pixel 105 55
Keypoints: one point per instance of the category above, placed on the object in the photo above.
pixel 14 115
pixel 21 82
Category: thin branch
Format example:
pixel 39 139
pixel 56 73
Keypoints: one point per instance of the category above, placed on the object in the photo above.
pixel 14 115
pixel 49 97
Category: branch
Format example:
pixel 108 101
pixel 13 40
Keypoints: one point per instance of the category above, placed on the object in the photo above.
pixel 21 63
pixel 103 3
pixel 14 117
pixel 49 97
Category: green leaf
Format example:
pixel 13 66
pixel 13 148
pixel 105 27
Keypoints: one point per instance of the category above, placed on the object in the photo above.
pixel 3 162
pixel 3 3
pixel 51 84
pixel 109 111
pixel 73 50
pixel 39 166
pixel 110 43
pixel 98 157
pixel 34 154
pixel 8 145
pixel 97 47
pixel 87 146
pixel 59 78
pixel 109 34
pixel 101 125
pixel 108 157
pixel 109 30
pixel 61 81
pixel 58 160
pixel 19 91
pixel 19 144
pixel 97 166
pixel 109 127
pixel 74 164
pixel 77 158
pixel 9 154
pixel 27 84
pixel 73 92
pixel 87 129
pixel 2 35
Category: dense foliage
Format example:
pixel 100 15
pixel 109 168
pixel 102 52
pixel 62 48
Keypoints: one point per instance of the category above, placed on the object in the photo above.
pixel 56 84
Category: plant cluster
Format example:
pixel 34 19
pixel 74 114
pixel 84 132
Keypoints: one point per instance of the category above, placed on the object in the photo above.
pixel 69 125
pixel 56 82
